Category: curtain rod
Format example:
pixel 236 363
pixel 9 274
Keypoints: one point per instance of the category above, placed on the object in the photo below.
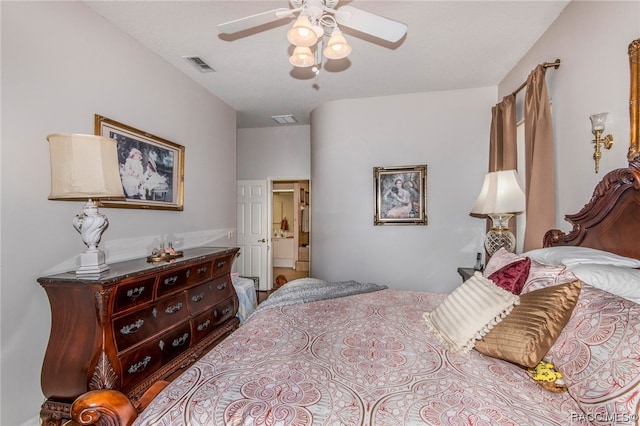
pixel 554 64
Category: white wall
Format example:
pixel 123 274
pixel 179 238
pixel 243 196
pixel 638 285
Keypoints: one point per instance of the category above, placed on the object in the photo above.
pixel 591 38
pixel 274 152
pixel 448 131
pixel 61 64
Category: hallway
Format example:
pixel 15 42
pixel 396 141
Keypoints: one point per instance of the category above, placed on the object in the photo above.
pixel 289 273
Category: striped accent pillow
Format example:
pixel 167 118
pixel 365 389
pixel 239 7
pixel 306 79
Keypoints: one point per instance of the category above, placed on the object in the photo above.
pixel 469 312
pixel 526 335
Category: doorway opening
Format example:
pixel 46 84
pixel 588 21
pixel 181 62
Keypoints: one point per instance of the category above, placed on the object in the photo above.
pixel 290 231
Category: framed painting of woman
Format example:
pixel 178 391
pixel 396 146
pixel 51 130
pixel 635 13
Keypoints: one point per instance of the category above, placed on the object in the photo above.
pixel 400 195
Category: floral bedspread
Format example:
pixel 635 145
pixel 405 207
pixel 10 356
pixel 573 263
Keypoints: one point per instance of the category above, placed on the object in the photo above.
pixel 366 359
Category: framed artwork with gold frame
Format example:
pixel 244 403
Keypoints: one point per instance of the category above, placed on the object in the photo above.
pixel 151 168
pixel 400 195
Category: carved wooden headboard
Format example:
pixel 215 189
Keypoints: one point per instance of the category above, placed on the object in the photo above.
pixel 611 219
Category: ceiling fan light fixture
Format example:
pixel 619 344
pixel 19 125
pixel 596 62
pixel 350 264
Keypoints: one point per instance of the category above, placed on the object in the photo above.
pixel 302 57
pixel 302 34
pixel 337 47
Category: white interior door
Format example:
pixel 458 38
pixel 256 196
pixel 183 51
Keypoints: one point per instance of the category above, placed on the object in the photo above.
pixel 253 233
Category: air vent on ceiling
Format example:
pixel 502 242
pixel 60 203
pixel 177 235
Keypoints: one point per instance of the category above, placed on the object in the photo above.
pixel 197 62
pixel 284 119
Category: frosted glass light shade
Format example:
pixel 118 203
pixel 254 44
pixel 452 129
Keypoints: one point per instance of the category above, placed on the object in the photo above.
pixel 501 193
pixel 337 47
pixel 83 167
pixel 302 33
pixel 302 57
pixel 598 121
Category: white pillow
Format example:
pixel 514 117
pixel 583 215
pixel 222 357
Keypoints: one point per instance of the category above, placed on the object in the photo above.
pixel 469 312
pixel 570 255
pixel 618 280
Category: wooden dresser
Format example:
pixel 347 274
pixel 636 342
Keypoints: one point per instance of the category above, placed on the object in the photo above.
pixel 138 323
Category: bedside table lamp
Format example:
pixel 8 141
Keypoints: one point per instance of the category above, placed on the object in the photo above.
pixel 85 167
pixel 500 198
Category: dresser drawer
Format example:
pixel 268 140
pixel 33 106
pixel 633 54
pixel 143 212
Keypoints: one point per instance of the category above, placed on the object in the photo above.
pixel 222 265
pixel 180 279
pixel 208 294
pixel 173 281
pixel 133 294
pixel 200 273
pixel 140 362
pixel 223 311
pixel 203 323
pixel 139 325
pixel 176 341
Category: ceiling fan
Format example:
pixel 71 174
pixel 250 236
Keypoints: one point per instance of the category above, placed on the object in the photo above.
pixel 315 19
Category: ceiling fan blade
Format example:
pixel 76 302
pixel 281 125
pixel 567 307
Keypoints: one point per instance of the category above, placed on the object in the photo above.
pixel 253 21
pixel 370 23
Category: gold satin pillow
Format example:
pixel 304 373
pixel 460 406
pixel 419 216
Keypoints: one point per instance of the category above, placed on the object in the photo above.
pixel 525 336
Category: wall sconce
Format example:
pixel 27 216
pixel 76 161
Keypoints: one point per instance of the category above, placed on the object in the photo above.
pixel 597 128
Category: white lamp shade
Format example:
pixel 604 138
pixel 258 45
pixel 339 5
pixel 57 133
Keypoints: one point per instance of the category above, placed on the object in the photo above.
pixel 337 47
pixel 302 34
pixel 83 167
pixel 302 57
pixel 501 193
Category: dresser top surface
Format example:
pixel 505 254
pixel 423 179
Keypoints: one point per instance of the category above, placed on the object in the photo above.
pixel 118 271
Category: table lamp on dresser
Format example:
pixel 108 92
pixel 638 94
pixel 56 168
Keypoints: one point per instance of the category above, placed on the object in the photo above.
pixel 85 167
pixel 500 198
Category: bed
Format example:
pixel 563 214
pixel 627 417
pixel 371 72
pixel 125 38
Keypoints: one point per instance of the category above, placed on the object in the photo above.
pixel 363 354
pixel 352 353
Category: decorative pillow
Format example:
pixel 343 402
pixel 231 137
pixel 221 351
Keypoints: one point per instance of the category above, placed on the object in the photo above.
pixel 526 334
pixel 597 353
pixel 512 276
pixel 499 260
pixel 570 255
pixel 541 276
pixel 624 282
pixel 469 312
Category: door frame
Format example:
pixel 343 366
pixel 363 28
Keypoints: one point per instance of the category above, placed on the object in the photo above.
pixel 270 181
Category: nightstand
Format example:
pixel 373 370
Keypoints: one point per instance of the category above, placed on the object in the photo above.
pixel 466 273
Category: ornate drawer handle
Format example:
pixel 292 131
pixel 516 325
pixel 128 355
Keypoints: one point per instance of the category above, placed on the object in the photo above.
pixel 187 273
pixel 173 309
pixel 135 292
pixel 226 310
pixel 221 264
pixel 140 366
pixel 132 328
pixel 180 340
pixel 222 286
pixel 202 270
pixel 198 297
pixel 204 325
pixel 171 280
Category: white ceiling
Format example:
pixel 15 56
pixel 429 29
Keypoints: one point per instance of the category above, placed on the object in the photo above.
pixel 449 45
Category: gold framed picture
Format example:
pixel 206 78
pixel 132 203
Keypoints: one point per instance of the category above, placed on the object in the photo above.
pixel 400 196
pixel 151 168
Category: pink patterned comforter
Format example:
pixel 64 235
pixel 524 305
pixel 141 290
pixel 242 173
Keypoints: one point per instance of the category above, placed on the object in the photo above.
pixel 367 359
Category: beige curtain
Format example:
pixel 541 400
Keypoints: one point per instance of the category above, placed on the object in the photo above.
pixel 539 160
pixel 502 143
pixel 503 153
